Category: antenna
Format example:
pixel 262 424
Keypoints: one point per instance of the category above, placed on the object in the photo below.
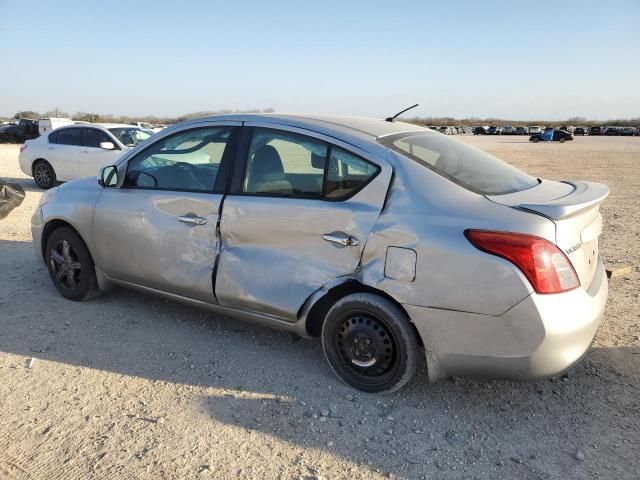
pixel 392 119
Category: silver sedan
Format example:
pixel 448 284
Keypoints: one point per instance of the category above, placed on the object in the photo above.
pixel 383 238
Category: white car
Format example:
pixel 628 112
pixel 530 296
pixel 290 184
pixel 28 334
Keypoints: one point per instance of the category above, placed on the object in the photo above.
pixel 147 126
pixel 534 129
pixel 77 151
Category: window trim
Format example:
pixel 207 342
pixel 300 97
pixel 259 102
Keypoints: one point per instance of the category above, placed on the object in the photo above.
pixel 242 162
pixel 228 155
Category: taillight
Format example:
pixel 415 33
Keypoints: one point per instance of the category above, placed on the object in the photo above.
pixel 546 267
pixel 23 147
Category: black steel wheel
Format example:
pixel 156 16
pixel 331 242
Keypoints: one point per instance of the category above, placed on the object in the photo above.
pixel 43 174
pixel 370 343
pixel 70 265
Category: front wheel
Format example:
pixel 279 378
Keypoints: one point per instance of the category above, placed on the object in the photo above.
pixel 70 265
pixel 369 343
pixel 562 140
pixel 43 174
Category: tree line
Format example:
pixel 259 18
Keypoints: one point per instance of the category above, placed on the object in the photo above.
pixel 472 121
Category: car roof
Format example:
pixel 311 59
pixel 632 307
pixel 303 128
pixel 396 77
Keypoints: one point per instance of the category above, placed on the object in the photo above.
pixel 356 126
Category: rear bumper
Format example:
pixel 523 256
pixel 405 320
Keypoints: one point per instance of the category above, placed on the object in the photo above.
pixel 25 165
pixel 541 336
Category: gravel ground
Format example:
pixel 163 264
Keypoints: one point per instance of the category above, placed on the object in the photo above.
pixel 130 386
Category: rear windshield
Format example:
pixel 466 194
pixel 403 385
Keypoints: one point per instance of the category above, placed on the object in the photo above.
pixel 469 167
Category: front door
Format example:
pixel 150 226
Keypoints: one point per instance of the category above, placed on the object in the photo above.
pixel 92 157
pixel 298 218
pixel 159 229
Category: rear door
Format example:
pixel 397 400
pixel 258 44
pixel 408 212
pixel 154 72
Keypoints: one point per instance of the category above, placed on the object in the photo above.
pixel 298 215
pixel 92 157
pixel 159 228
pixel 63 151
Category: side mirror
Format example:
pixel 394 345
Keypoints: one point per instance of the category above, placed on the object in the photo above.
pixel 107 145
pixel 108 176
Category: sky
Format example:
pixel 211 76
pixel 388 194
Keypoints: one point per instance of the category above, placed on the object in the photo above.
pixel 517 60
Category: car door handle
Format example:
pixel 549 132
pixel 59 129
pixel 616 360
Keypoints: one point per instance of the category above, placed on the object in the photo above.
pixel 341 239
pixel 192 220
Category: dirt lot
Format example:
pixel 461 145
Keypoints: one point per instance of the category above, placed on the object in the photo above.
pixel 129 386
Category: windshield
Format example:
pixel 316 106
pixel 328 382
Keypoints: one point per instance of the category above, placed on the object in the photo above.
pixel 469 167
pixel 130 137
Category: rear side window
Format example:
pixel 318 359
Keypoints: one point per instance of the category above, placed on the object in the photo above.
pixel 289 164
pixel 93 138
pixel 346 174
pixel 284 163
pixel 466 166
pixel 68 136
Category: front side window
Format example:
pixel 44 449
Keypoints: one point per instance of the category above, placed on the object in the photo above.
pixel 292 165
pixel 187 160
pixel 94 137
pixel 466 166
pixel 68 136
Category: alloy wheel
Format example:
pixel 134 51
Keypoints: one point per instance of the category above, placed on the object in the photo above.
pixel 42 174
pixel 65 265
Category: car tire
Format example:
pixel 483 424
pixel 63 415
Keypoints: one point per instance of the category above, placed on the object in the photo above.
pixel 369 343
pixel 535 140
pixel 43 174
pixel 562 140
pixel 70 265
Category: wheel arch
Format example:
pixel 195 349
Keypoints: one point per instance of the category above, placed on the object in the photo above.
pixel 321 304
pixel 55 224
pixel 40 159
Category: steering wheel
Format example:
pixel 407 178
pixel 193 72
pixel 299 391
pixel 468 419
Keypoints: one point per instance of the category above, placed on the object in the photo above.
pixel 192 171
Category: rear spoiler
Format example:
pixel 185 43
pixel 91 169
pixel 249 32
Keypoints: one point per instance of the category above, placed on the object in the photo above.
pixel 585 195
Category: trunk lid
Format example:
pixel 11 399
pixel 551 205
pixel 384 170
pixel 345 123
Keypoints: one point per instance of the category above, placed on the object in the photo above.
pixel 574 207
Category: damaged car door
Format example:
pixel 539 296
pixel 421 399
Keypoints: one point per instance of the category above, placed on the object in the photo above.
pixel 159 229
pixel 298 215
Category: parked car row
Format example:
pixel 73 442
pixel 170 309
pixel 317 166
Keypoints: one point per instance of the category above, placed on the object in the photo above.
pixel 504 130
pixel 537 129
pixel 451 130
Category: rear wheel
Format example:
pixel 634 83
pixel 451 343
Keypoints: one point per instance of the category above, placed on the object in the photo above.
pixel 369 343
pixel 70 265
pixel 43 174
pixel 536 139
